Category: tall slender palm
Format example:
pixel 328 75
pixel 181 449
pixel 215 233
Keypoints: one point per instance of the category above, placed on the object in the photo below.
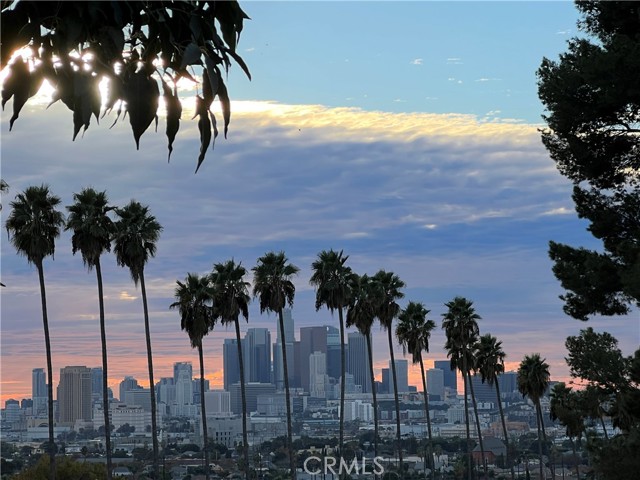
pixel 533 380
pixel 194 301
pixel 460 323
pixel 563 406
pixel 273 286
pixel 92 231
pixel 362 314
pixel 136 234
pixel 414 332
pixel 33 226
pixel 231 299
pixel 489 357
pixel 334 283
pixel 387 287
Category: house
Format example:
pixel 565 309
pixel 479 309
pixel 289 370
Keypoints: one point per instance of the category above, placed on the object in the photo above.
pixel 493 448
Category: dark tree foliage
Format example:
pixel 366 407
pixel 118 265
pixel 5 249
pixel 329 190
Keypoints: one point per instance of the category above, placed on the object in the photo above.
pixel 592 97
pixel 143 48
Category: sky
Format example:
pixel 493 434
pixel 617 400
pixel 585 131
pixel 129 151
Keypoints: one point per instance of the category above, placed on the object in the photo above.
pixel 404 133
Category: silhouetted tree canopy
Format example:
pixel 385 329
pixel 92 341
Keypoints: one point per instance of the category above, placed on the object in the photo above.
pixel 143 48
pixel 592 97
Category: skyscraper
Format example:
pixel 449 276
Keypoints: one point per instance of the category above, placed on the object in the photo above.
pixel 359 361
pixel 402 370
pixel 317 374
pixel 183 382
pixel 334 352
pixel 450 376
pixel 74 395
pixel 39 392
pixel 129 383
pixel 312 339
pixel 96 383
pixel 257 355
pixel 230 363
pixel 435 382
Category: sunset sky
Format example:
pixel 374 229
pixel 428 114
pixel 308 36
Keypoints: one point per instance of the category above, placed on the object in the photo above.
pixel 404 133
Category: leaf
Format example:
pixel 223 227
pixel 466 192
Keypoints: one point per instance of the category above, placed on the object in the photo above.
pixel 141 94
pixel 114 93
pixel 174 112
pixel 206 88
pixel 191 56
pixel 21 85
pixel 223 96
pixel 240 62
pixel 204 126
pixel 213 79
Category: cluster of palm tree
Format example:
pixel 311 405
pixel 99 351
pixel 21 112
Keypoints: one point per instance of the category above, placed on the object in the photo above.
pixel 33 226
pixel 223 296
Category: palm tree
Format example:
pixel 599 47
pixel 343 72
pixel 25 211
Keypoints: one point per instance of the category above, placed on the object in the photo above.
pixel 136 234
pixel 273 286
pixel 460 323
pixel 533 380
pixel 387 288
pixel 489 357
pixel 194 301
pixel 92 231
pixel 32 226
pixel 361 314
pixel 563 406
pixel 231 299
pixel 334 284
pixel 413 332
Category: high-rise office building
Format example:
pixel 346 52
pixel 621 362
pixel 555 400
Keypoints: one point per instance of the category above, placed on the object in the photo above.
pixel 402 370
pixel 359 360
pixel 252 391
pixel 166 391
pixel 96 383
pixel 230 363
pixel 183 380
pixel 435 382
pixel 386 381
pixel 312 339
pixel 257 355
pixel 217 402
pixel 129 383
pixel 278 368
pixel 508 382
pixel 483 392
pixel 450 375
pixel 334 352
pixel 74 395
pixel 318 374
pixel 39 393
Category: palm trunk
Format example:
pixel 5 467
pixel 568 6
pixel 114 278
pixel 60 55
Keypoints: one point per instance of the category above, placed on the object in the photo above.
pixel 544 437
pixel 105 377
pixel 374 394
pixel 475 411
pixel 203 413
pixel 285 371
pixel 343 372
pixel 426 409
pixel 504 428
pixel 47 345
pixel 245 440
pixel 154 424
pixel 466 417
pixel 539 438
pixel 395 393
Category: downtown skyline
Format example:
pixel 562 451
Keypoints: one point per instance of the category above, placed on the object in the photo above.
pixel 420 156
